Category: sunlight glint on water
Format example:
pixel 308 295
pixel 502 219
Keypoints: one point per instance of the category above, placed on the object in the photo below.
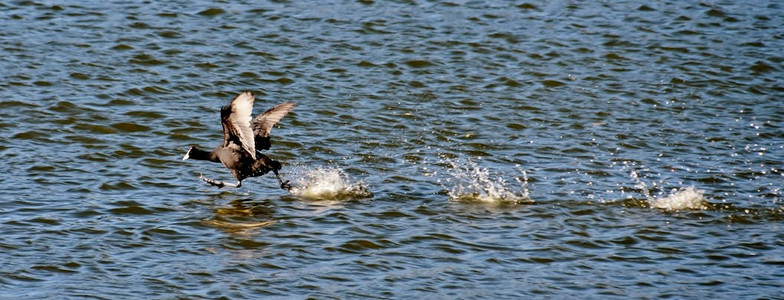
pixel 99 100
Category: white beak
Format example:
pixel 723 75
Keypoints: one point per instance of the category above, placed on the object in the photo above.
pixel 187 154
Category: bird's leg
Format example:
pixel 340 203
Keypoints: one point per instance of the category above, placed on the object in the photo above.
pixel 220 184
pixel 283 185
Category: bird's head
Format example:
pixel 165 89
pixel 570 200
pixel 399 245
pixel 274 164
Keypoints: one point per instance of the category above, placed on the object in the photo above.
pixel 188 154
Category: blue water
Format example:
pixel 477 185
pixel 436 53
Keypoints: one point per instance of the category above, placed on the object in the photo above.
pixel 457 149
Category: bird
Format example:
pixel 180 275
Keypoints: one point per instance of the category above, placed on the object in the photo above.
pixel 243 137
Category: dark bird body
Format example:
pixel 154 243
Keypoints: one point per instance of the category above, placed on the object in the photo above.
pixel 242 138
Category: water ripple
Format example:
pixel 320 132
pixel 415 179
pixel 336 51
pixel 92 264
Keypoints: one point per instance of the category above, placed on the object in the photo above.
pixel 460 149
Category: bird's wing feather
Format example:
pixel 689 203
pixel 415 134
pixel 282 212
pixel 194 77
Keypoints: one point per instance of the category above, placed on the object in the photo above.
pixel 263 124
pixel 236 122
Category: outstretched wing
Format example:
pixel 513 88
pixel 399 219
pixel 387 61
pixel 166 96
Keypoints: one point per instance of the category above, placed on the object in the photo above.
pixel 235 118
pixel 262 125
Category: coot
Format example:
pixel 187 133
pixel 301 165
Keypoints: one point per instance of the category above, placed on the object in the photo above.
pixel 243 136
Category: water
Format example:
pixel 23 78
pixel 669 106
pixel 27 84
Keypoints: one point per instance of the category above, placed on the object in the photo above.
pixel 457 149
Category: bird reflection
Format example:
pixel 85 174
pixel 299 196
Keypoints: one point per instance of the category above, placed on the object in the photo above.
pixel 242 215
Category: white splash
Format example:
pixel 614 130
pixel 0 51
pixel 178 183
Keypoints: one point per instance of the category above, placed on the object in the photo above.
pixel 680 199
pixel 327 183
pixel 469 182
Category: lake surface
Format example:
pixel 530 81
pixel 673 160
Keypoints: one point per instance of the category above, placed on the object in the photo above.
pixel 452 150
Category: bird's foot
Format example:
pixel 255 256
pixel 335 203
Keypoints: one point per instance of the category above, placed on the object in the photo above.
pixel 218 183
pixel 286 186
pixel 283 185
